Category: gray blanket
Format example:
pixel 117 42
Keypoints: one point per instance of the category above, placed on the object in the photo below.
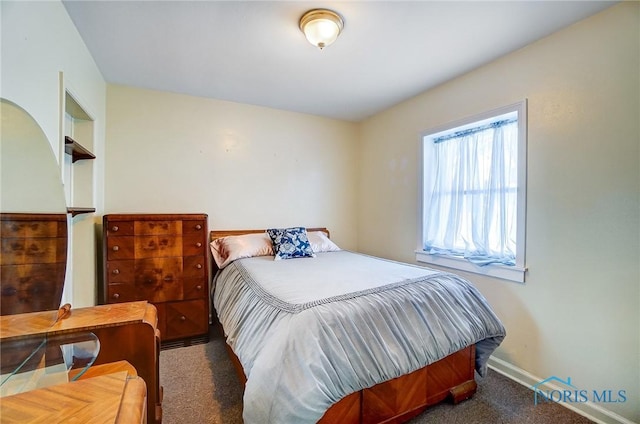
pixel 310 331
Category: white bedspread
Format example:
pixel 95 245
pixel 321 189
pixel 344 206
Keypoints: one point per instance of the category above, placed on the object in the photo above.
pixel 310 331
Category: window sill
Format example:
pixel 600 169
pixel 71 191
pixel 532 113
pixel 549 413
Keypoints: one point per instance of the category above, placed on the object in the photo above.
pixel 511 273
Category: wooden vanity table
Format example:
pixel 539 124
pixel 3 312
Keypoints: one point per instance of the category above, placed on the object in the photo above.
pixel 126 331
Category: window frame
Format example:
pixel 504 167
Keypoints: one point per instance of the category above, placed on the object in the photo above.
pixel 516 272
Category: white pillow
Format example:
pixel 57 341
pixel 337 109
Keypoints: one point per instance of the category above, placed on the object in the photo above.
pixel 228 249
pixel 320 242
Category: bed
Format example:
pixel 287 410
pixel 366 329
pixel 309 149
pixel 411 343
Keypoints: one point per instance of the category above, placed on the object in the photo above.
pixel 335 336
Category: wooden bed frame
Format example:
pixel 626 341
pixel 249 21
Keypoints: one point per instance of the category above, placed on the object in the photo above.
pixel 396 400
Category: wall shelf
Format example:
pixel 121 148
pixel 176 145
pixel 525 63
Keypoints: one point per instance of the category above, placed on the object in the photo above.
pixel 77 152
pixel 77 211
pixel 75 149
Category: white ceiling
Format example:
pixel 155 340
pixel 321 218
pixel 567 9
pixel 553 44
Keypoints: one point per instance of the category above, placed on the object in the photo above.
pixel 253 52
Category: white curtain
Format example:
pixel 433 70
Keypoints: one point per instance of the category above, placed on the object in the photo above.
pixel 471 210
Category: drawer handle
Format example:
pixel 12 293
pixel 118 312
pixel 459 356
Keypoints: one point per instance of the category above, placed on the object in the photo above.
pixel 198 287
pixel 115 248
pixel 114 228
pixel 183 318
pixel 198 244
pixel 116 295
pixel 199 266
pixel 116 271
pixel 168 279
pixel 198 227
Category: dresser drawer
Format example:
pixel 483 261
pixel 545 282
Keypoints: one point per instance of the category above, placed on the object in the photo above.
pixel 117 293
pixel 185 319
pixel 152 228
pixel 31 286
pixel 120 248
pixel 190 227
pixel 193 245
pixel 159 279
pixel 119 228
pixel 194 266
pixel 194 288
pixel 23 229
pixel 32 250
pixel 157 246
pixel 120 271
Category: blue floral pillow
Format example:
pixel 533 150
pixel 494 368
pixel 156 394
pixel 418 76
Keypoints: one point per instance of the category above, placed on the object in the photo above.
pixel 290 243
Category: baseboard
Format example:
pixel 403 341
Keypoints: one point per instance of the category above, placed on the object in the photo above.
pixel 587 409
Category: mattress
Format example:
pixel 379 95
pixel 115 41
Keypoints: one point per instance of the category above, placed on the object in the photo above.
pixel 310 331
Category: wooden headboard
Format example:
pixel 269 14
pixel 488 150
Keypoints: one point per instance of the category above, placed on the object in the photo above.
pixel 216 234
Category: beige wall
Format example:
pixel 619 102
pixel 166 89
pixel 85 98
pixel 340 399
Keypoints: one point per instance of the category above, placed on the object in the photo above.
pixel 39 42
pixel 577 315
pixel 245 166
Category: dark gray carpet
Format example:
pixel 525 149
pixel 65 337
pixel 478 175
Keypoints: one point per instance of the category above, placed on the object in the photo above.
pixel 201 387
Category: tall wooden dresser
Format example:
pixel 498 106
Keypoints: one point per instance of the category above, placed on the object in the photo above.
pixel 161 258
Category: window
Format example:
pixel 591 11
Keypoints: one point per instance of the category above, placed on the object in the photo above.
pixel 474 193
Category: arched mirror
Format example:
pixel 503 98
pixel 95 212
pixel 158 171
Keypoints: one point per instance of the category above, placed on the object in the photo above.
pixel 33 230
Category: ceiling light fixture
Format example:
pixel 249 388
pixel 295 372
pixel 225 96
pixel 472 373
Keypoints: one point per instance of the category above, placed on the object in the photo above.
pixel 321 27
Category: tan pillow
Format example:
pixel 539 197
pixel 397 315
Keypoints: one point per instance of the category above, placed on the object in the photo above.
pixel 228 249
pixel 320 242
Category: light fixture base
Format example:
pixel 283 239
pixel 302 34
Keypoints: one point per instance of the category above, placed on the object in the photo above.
pixel 321 27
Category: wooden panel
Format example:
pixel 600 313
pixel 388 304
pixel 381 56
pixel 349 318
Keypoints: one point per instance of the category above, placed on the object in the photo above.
pixel 127 331
pixel 398 400
pixel 95 400
pixel 17 351
pixel 347 411
pixel 394 398
pixel 214 234
pixel 449 372
pixel 157 246
pixel 162 321
pixel 151 228
pixel 133 406
pixel 119 228
pixel 32 324
pixel 136 343
pixel 108 368
pixel 118 248
pixel 120 271
pixel 32 250
pixel 194 245
pixel 26 288
pixel 33 257
pixel 159 279
pixel 31 229
pixel 194 288
pixel 121 293
pixel 194 266
pixel 193 227
pixel 26 325
pixel 185 319
pixel 32 277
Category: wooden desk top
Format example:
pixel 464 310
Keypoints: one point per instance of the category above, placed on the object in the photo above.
pixel 108 399
pixel 81 319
